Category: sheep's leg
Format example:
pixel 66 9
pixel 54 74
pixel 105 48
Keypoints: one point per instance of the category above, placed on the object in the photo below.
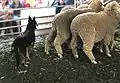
pixel 101 47
pixel 49 40
pixel 74 46
pixel 107 40
pixel 88 43
pixel 47 46
pixel 87 48
pixel 57 44
pixel 112 43
pixel 107 51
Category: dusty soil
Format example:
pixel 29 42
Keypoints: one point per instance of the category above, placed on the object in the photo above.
pixel 49 69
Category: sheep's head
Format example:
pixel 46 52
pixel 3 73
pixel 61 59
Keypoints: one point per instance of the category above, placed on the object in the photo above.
pixel 113 8
pixel 96 4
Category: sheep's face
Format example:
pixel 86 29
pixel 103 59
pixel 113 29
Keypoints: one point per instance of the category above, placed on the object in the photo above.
pixel 96 4
pixel 113 8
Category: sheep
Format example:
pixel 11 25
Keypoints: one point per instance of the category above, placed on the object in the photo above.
pixel 60 31
pixel 93 27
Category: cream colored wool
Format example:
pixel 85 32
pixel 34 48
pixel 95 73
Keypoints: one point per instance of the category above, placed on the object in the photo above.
pixel 94 27
pixel 60 31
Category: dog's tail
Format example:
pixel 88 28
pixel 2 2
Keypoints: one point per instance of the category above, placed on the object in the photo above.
pixel 17 55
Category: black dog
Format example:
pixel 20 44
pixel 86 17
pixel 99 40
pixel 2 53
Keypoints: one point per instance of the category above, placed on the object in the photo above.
pixel 23 41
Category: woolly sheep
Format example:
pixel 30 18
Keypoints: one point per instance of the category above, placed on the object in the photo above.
pixel 94 27
pixel 60 31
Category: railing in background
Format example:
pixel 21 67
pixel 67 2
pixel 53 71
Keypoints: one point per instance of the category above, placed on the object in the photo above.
pixel 41 30
pixel 42 20
pixel 45 17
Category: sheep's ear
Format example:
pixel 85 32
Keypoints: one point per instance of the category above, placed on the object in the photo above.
pixel 29 19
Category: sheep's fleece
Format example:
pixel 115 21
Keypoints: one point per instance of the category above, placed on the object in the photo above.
pixel 93 27
pixel 60 31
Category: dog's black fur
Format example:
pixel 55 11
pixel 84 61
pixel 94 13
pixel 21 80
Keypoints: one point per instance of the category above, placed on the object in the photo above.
pixel 23 41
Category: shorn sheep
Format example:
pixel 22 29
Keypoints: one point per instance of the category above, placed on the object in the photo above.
pixel 93 27
pixel 60 31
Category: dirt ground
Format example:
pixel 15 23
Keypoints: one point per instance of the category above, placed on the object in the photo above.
pixel 49 69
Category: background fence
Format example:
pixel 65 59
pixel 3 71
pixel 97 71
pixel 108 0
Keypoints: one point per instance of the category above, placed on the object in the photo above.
pixel 44 17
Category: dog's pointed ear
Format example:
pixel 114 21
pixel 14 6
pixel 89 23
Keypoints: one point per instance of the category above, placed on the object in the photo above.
pixel 29 19
pixel 34 18
pixel 35 21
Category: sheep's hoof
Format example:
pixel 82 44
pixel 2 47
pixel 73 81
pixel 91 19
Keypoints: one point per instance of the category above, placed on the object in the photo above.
pixel 94 62
pixel 60 56
pixel 101 51
pixel 76 56
pixel 46 52
pixel 109 55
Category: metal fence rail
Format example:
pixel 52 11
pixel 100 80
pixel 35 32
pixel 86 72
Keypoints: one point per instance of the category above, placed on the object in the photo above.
pixel 76 2
pixel 20 19
pixel 42 31
pixel 24 19
pixel 40 23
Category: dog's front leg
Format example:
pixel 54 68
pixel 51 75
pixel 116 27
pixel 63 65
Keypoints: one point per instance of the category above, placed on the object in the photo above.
pixel 27 54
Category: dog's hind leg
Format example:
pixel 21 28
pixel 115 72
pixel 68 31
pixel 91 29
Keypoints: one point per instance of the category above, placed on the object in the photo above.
pixel 49 40
pixel 23 61
pixel 33 43
pixel 24 57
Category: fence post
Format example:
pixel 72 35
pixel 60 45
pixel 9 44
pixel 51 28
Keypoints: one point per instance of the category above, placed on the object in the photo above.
pixel 77 3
